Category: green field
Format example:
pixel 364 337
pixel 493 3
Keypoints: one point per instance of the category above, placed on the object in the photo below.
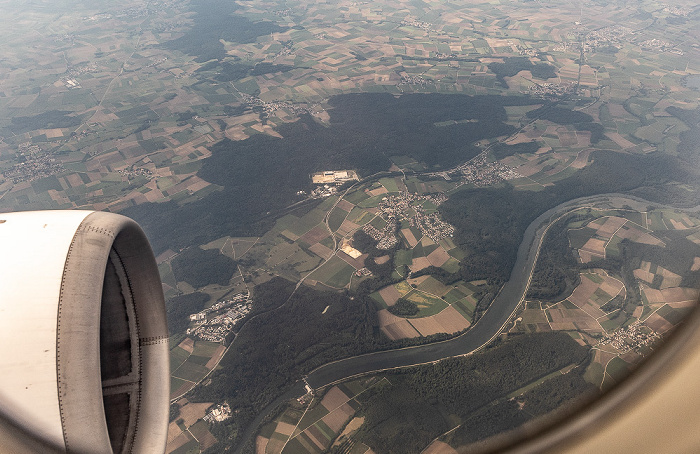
pixel 177 357
pixel 335 273
pixel 428 305
pixel 205 348
pixel 190 371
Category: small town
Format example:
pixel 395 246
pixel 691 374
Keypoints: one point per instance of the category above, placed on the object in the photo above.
pixel 137 172
pixel 272 106
pixel 396 208
pixel 633 337
pixel 385 238
pixel 480 172
pixel 551 90
pixel 213 324
pixel 33 168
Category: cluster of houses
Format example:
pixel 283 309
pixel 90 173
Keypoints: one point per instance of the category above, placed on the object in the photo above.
pixel 216 322
pixel 632 337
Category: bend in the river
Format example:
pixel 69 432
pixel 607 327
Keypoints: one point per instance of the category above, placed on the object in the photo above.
pixel 489 326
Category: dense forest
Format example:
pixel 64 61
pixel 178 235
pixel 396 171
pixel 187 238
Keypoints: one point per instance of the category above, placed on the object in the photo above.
pixel 45 120
pixel 228 71
pixel 561 394
pixel 199 267
pixel 563 116
pixel 556 273
pixel 262 174
pixel 513 65
pixel 215 21
pixel 405 416
pixel 276 348
pixel 689 146
pixel 501 150
pixel 179 308
pixel 404 308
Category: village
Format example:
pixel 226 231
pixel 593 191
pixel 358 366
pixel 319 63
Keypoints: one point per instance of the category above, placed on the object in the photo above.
pixel 633 337
pixel 480 172
pixel 213 324
pixel 396 208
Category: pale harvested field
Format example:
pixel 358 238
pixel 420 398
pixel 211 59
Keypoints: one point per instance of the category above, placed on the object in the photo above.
pixel 439 447
pixel 588 325
pixel 417 280
pixel 618 139
pixel 682 304
pixel 592 310
pixel 611 286
pixel 412 241
pixel 321 250
pixel 617 110
pixel 173 432
pixel 357 263
pixel 438 257
pixel 187 345
pixel 289 235
pixel 595 247
pixel 274 445
pixel 611 225
pixel 583 292
pixel 427 325
pixel 381 260
pixel 636 235
pixel 337 418
pixel 658 323
pixel 419 263
pixel 355 424
pixel 377 191
pixel 334 398
pixel 390 295
pixel 192 412
pixel 284 428
pixel 653 295
pixel 260 444
pixel 585 256
pixel 572 319
pixel 562 326
pixel 346 227
pixel 180 440
pixel 581 159
pixel 218 353
pixel 679 294
pixel 678 225
pixel 671 279
pixel 451 320
pixel 696 264
pixel 631 357
pixel 645 276
pixel 395 327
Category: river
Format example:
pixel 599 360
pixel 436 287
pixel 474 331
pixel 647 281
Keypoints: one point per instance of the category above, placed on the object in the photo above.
pixel 490 325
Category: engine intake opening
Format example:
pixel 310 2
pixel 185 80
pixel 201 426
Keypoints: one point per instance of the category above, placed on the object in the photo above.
pixel 119 361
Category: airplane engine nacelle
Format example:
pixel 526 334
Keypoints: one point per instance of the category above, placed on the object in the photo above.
pixel 83 335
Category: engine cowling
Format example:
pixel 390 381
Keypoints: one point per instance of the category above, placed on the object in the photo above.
pixel 84 338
